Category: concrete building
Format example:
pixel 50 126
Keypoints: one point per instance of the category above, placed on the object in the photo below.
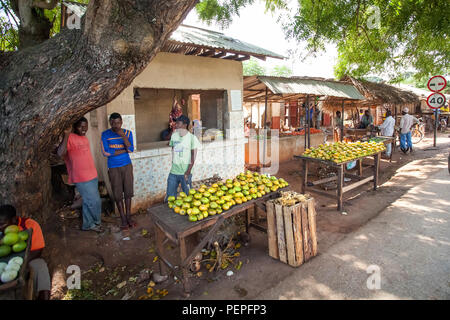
pixel 204 68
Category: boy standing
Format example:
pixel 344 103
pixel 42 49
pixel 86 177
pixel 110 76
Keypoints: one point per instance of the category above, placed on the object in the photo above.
pixel 117 143
pixel 184 151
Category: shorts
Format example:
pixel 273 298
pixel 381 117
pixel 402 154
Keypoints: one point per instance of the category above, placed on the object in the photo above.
pixel 122 182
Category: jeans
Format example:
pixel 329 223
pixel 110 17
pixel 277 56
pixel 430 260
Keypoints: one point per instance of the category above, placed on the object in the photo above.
pixel 405 138
pixel 388 149
pixel 92 205
pixel 174 180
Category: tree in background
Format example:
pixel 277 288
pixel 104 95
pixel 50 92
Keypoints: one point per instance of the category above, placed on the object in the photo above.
pixel 372 36
pixel 252 67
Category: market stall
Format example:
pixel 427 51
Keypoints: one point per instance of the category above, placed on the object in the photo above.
pixel 203 209
pixel 299 96
pixel 335 157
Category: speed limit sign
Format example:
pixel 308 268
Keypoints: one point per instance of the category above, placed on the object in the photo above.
pixel 436 100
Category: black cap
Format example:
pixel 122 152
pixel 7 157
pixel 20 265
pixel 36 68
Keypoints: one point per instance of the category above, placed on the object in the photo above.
pixel 183 119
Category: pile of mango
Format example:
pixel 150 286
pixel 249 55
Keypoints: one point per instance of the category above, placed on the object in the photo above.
pixel 220 197
pixel 344 151
pixel 14 240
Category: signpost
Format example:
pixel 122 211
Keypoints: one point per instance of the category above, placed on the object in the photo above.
pixel 436 100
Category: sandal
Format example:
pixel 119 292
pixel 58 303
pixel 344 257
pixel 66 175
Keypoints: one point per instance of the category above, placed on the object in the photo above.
pixel 124 228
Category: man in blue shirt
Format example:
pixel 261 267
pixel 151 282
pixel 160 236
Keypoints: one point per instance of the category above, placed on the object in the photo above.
pixel 117 143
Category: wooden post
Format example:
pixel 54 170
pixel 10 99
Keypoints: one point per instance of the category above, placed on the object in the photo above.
pixel 342 122
pixel 305 175
pixel 264 132
pixel 340 185
pixel 309 122
pixel 376 169
pixel 280 233
pixel 160 247
pixel 183 256
pixel 272 231
pixel 360 169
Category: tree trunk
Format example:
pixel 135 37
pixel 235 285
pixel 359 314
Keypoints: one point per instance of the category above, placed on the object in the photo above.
pixel 45 88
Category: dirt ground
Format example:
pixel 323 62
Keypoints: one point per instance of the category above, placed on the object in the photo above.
pixel 118 265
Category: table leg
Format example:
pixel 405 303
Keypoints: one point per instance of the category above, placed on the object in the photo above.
pixel 160 248
pixel 305 175
pixel 360 167
pixel 184 268
pixel 340 184
pixel 376 169
pixel 247 220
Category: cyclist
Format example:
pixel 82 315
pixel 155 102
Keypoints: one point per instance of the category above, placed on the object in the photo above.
pixel 406 123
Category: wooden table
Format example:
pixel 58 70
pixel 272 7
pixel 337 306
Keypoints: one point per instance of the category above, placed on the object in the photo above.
pixel 341 189
pixel 176 228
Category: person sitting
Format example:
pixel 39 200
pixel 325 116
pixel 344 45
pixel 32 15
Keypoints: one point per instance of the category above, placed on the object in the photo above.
pixel 8 217
pixel 366 120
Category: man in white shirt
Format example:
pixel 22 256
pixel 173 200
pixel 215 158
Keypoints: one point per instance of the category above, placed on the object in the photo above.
pixel 387 130
pixel 406 124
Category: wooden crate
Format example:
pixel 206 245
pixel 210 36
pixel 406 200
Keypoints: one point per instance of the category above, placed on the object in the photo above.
pixel 291 232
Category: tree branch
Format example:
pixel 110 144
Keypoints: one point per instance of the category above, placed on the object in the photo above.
pixel 9 12
pixel 44 4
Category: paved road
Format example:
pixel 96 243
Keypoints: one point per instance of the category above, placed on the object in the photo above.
pixel 409 241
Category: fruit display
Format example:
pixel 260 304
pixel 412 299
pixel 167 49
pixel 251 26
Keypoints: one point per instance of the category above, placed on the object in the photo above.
pixel 221 196
pixel 344 151
pixel 290 198
pixel 9 271
pixel 14 240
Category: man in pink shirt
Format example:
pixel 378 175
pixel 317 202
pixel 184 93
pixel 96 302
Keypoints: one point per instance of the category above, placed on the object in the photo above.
pixel 76 152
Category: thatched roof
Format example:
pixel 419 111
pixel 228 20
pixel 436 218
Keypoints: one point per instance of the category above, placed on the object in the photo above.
pixel 382 93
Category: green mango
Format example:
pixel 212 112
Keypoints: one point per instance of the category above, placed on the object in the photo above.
pixel 10 239
pixel 23 235
pixel 19 246
pixel 12 229
pixel 4 250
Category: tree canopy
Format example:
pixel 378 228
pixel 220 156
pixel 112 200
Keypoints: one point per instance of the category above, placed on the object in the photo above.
pixel 252 68
pixel 386 37
pixel 373 37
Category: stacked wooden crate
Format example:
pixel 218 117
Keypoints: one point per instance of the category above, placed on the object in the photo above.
pixel 291 232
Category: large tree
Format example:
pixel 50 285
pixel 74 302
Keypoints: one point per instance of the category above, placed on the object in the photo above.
pixel 45 87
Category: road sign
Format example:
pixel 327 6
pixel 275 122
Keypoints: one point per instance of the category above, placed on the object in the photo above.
pixel 436 100
pixel 437 83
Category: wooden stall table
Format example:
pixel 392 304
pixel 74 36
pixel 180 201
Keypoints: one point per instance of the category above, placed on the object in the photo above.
pixel 176 228
pixel 340 168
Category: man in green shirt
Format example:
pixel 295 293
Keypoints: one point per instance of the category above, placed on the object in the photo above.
pixel 184 151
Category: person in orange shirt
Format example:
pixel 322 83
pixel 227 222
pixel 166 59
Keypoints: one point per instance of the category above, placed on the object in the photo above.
pixel 76 152
pixel 8 216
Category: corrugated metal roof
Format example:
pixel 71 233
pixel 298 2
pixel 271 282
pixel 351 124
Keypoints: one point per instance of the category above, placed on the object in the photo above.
pixel 78 8
pixel 190 35
pixel 217 40
pixel 293 85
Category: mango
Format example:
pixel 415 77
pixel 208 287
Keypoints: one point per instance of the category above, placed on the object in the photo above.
pixel 12 229
pixel 10 239
pixel 19 246
pixel 4 250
